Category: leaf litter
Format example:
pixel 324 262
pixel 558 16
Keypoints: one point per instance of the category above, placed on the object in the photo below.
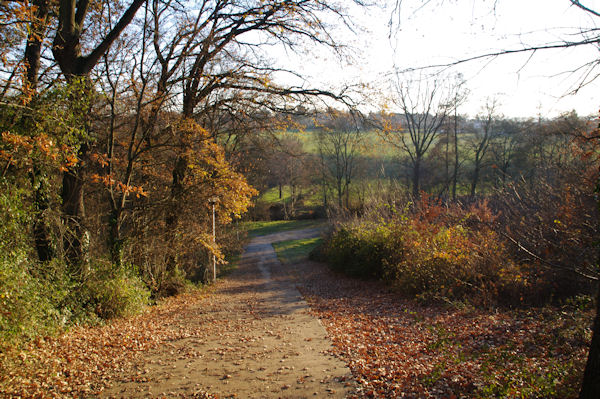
pixel 398 347
pixel 394 347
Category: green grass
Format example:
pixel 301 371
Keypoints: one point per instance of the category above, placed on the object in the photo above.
pixel 295 250
pixel 262 228
pixel 271 195
pixel 373 144
pixel 231 265
pixel 311 195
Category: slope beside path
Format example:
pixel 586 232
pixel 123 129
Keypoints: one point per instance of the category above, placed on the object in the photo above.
pixel 253 338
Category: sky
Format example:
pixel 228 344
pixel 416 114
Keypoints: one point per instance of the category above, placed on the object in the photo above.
pixel 443 31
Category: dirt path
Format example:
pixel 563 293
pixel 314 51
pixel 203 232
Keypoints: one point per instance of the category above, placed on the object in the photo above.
pixel 258 340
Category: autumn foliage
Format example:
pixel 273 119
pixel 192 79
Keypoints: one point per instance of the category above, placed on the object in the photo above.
pixel 123 268
pixel 445 252
pixel 398 347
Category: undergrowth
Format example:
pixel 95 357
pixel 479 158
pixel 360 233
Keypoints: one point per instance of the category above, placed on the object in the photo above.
pixel 436 252
pixel 43 298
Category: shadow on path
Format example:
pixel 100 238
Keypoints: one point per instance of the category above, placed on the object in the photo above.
pixel 253 338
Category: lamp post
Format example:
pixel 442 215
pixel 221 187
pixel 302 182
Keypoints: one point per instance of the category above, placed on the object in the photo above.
pixel 213 201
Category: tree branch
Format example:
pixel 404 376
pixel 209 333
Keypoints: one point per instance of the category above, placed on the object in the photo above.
pixel 577 3
pixel 91 60
pixel 595 40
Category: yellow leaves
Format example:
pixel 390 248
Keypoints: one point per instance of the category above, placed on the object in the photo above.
pixel 17 141
pixel 71 159
pixel 211 174
pixel 191 129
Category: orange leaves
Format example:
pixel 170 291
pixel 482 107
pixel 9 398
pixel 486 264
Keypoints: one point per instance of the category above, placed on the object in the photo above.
pixel 17 141
pixel 21 151
pixel 101 159
pixel 398 348
pixel 15 18
pixel 84 361
pixel 109 182
pixel 212 175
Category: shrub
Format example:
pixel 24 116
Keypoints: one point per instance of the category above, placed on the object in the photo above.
pixel 26 309
pixel 358 250
pixel 114 291
pixel 430 251
pixel 42 298
pixel 172 283
pixel 30 293
pixel 451 262
pixel 551 232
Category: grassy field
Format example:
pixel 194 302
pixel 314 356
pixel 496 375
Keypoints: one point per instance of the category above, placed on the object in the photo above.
pixel 311 196
pixel 262 228
pixel 372 143
pixel 295 250
pixel 378 164
pixel 271 195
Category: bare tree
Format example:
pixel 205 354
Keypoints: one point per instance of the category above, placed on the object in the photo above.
pixel 505 146
pixel 425 105
pixel 286 168
pixel 218 58
pixel 73 18
pixel 588 72
pixel 460 96
pixel 451 127
pixel 481 138
pixel 339 143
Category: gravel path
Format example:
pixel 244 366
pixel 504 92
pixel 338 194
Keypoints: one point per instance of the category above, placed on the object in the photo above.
pixel 258 340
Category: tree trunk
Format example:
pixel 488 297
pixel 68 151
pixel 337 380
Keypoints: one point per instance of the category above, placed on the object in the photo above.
pixel 347 195
pixel 416 178
pixel 115 242
pixel 66 49
pixel 33 48
pixel 179 172
pixel 41 204
pixel 503 171
pixel 73 211
pixel 72 193
pixel 590 387
pixel 474 181
pixel 324 187
pixel 455 174
pixel 172 219
pixel 293 201
pixel 339 193
pixel 447 165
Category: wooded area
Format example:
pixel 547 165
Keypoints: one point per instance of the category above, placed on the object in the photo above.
pixel 116 133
